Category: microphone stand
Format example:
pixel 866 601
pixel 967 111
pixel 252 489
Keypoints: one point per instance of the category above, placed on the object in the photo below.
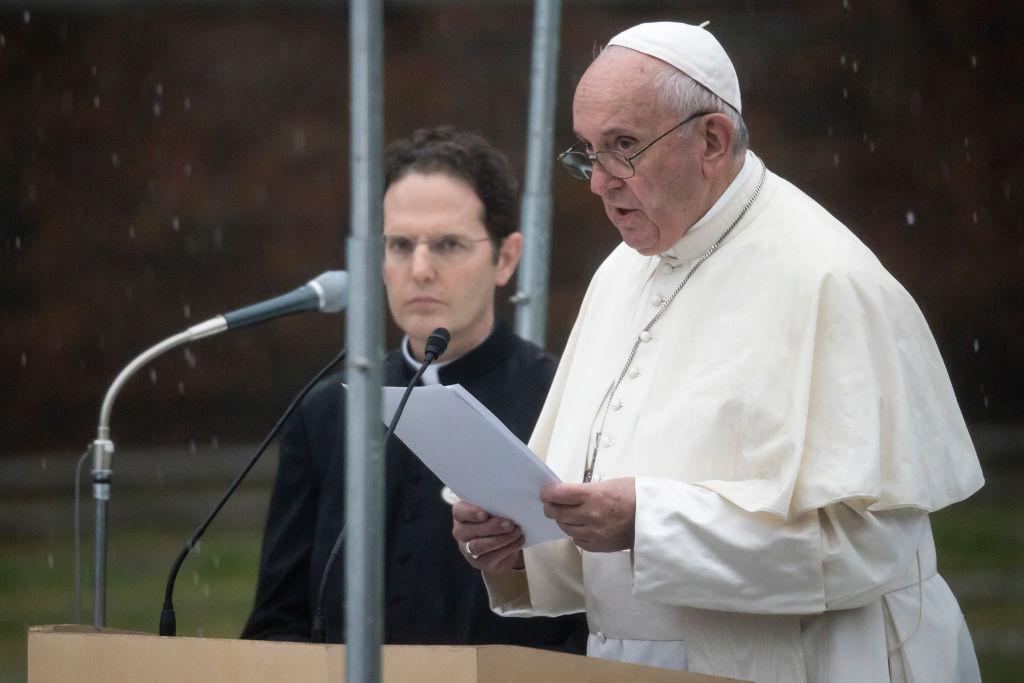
pixel 102 452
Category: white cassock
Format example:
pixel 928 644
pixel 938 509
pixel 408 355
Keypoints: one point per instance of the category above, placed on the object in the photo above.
pixel 790 424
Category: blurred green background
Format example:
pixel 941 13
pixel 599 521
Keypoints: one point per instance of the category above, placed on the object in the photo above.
pixel 164 161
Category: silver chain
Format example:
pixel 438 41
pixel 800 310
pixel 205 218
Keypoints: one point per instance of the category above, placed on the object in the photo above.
pixel 588 468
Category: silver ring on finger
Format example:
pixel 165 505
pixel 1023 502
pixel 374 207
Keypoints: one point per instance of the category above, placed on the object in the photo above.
pixel 470 552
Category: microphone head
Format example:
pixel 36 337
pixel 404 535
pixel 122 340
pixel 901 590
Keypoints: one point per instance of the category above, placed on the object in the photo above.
pixel 437 342
pixel 332 288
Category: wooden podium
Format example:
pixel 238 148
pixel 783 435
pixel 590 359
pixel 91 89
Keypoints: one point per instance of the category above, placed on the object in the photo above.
pixel 66 654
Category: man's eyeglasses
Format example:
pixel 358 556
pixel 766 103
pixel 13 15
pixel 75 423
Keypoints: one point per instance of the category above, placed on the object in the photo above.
pixel 580 165
pixel 448 248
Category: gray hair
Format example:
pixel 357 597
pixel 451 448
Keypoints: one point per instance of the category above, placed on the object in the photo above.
pixel 684 95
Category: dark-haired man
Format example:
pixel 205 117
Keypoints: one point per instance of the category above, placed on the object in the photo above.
pixel 450 239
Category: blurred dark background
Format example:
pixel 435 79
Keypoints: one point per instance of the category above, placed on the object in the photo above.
pixel 163 162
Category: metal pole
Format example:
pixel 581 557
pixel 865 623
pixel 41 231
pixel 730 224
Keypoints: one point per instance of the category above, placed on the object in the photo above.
pixel 102 452
pixel 532 283
pixel 364 469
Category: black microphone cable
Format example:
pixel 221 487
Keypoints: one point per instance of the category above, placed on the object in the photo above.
pixel 168 623
pixel 437 342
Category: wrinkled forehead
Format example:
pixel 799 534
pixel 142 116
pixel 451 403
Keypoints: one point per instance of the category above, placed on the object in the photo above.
pixel 618 86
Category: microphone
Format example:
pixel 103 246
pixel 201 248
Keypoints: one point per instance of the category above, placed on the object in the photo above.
pixel 327 292
pixel 436 344
pixel 168 621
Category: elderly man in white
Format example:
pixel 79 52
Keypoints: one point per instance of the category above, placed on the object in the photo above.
pixel 751 418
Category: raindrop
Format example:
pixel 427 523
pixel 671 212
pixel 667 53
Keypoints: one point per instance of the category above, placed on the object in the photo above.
pixel 24 359
pixel 974 61
pixel 846 93
pixel 835 159
pixel 3 40
pixel 181 388
pixel 192 443
pixel 214 443
pixel 32 193
pixel 974 217
pixel 42 464
pixel 216 561
pixel 967 142
pixel 190 358
pixel 93 70
pixel 152 375
pixel 195 574
pixel 977 345
pixel 911 218
pixel 49 559
pixel 96 102
pixel 854 65
pixel 131 232
pixel 27 16
pixel 187 103
pixel 175 223
pixel 846 4
pixel 17 243
pixel 156 109
pixel 206 590
pixel 187 311
pixel 299 140
pixel 200 632
pixel 985 400
pixel 188 170
pixel 114 159
pixel 159 89
pixel 199 548
pixel 842 60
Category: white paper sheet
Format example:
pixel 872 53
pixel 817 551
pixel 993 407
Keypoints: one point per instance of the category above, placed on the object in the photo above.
pixel 475 455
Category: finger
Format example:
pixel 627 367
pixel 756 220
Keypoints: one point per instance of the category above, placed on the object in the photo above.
pixel 500 560
pixel 482 545
pixel 467 512
pixel 564 494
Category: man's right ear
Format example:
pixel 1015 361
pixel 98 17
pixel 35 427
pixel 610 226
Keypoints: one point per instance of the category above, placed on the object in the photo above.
pixel 508 257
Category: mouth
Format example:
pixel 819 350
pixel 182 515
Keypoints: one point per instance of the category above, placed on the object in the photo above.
pixel 423 301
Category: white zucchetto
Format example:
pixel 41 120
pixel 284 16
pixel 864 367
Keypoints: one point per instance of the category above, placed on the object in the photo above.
pixel 691 49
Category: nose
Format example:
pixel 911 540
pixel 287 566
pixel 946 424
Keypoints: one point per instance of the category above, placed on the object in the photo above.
pixel 601 180
pixel 422 263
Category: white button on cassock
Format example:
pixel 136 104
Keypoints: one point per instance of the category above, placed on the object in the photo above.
pixel 645 336
pixel 634 372
pixel 657 300
pixel 616 404
pixel 605 441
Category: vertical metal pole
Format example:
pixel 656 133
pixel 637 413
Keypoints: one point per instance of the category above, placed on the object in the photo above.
pixel 364 469
pixel 102 450
pixel 532 283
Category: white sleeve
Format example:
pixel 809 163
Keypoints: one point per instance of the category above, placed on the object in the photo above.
pixel 694 548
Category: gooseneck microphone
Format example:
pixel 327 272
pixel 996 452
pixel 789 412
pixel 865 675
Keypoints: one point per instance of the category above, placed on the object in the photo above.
pixel 168 622
pixel 436 345
pixel 327 292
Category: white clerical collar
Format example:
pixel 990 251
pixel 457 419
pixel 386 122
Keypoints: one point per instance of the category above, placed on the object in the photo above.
pixel 693 242
pixel 430 375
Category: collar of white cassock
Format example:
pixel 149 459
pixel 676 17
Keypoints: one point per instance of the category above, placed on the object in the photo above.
pixel 722 213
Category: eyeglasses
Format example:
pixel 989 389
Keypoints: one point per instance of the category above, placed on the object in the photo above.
pixel 580 165
pixel 447 248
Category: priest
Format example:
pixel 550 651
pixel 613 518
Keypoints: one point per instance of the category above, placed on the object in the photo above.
pixel 751 419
